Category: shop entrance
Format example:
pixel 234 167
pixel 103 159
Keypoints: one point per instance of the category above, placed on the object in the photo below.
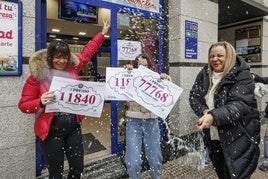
pixel 76 22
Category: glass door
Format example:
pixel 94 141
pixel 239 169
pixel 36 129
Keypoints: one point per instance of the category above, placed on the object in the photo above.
pixel 76 22
pixel 133 27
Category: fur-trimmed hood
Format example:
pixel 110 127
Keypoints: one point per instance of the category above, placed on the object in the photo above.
pixel 39 66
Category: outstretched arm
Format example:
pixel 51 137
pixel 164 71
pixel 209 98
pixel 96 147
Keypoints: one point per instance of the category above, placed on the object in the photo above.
pixel 106 27
pixel 92 46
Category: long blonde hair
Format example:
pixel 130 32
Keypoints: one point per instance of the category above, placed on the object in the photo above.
pixel 230 58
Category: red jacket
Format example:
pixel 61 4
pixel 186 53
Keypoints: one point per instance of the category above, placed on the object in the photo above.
pixel 39 82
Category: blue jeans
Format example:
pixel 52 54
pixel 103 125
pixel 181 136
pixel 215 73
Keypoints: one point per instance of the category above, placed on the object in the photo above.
pixel 206 156
pixel 146 132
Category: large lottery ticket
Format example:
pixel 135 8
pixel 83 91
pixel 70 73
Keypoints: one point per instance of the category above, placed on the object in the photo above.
pixel 77 97
pixel 158 96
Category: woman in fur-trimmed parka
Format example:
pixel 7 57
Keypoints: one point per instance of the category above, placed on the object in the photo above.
pixel 59 132
pixel 223 99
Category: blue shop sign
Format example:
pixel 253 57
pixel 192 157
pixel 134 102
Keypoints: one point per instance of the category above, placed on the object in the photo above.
pixel 191 39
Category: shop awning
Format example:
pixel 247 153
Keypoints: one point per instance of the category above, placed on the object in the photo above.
pixel 234 11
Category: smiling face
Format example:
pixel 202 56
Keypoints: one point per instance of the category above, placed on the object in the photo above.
pixel 59 63
pixel 217 58
pixel 58 55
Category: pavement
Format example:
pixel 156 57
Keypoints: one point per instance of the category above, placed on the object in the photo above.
pixel 189 166
pixel 175 170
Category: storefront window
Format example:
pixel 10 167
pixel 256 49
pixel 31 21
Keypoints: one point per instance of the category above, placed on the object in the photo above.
pixel 142 29
pixel 132 27
pixel 248 43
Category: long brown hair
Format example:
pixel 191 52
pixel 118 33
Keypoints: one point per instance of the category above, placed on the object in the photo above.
pixel 145 56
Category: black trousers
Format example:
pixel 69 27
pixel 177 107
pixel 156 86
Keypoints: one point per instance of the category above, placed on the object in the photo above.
pixel 64 137
pixel 217 158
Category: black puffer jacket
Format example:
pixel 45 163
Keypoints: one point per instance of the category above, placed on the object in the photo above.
pixel 236 117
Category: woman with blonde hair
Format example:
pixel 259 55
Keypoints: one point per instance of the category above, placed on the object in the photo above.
pixel 223 99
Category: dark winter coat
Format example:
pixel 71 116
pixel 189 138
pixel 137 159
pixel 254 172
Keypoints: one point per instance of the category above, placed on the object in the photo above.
pixel 235 115
pixel 36 84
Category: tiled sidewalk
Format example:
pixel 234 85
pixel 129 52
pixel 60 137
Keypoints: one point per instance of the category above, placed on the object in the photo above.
pixel 181 168
pixel 173 170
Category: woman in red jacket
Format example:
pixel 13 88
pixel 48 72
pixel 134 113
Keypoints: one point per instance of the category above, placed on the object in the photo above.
pixel 59 133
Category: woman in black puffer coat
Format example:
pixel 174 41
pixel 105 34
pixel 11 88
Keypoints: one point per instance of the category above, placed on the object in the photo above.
pixel 223 99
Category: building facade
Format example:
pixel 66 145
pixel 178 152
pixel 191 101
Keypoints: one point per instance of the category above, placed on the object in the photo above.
pixel 17 146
